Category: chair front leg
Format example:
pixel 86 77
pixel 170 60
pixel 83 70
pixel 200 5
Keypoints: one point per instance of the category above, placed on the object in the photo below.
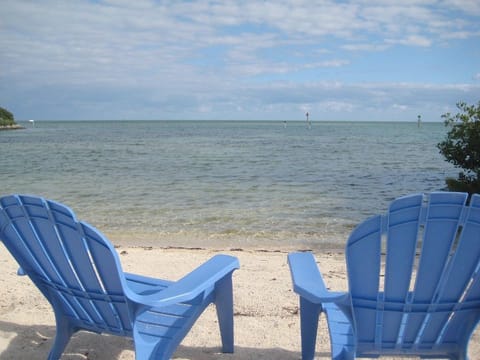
pixel 224 305
pixel 309 315
pixel 64 332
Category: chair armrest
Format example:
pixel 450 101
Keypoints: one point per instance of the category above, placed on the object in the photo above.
pixel 145 285
pixel 308 282
pixel 191 285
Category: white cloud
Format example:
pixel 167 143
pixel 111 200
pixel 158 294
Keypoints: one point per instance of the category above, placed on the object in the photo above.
pixel 471 7
pixel 237 54
pixel 365 47
pixel 411 40
pixel 400 107
pixel 461 35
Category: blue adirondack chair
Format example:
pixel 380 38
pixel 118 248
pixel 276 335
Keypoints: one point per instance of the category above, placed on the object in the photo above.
pixel 77 269
pixel 414 284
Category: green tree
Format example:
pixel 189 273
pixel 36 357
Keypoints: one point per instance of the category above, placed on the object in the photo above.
pixel 461 147
pixel 6 117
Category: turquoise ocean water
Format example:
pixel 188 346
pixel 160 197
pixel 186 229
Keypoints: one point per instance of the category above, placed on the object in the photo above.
pixel 223 184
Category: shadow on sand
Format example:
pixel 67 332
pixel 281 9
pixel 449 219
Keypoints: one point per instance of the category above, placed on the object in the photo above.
pixel 34 342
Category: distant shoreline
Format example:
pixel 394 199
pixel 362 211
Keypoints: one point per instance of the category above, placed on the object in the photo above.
pixel 12 127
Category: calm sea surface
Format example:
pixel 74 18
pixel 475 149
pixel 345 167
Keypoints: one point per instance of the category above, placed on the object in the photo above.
pixel 223 184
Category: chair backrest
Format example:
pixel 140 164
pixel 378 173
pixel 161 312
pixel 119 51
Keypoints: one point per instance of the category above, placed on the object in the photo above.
pixel 71 263
pixel 414 275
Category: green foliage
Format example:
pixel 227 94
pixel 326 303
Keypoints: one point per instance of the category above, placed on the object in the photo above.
pixel 461 147
pixel 6 117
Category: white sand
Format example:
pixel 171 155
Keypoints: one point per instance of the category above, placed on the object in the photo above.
pixel 266 310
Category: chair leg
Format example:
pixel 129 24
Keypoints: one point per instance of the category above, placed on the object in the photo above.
pixel 146 350
pixel 309 315
pixel 63 334
pixel 224 305
pixel 148 347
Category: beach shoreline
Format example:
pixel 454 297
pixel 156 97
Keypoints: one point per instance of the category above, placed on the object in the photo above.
pixel 266 309
pixel 12 127
pixel 213 243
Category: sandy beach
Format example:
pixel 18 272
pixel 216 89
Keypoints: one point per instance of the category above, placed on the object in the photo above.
pixel 266 309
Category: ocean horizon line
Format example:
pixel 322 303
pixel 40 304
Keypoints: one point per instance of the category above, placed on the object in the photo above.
pixel 236 121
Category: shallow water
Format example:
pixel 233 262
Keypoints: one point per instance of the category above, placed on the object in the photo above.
pixel 210 183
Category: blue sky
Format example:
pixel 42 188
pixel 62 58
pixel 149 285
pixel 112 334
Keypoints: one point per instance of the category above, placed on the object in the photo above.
pixel 238 59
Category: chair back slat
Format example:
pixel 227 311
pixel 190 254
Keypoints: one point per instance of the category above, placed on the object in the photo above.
pixel 77 257
pixel 101 254
pixel 441 228
pixel 465 260
pixel 32 252
pixel 462 323
pixel 442 219
pixel 460 284
pixel 403 220
pixel 403 225
pixel 365 243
